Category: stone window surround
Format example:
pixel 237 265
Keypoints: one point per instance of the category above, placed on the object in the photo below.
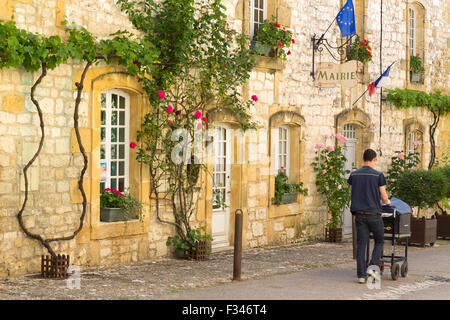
pixel 98 80
pixel 420 40
pixel 296 124
pixel 412 125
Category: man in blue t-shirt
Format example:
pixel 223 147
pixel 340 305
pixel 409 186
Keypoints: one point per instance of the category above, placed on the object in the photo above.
pixel 368 187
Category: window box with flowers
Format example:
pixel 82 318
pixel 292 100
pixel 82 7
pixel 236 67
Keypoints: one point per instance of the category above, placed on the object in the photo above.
pixel 359 51
pixel 272 40
pixel 416 68
pixel 116 206
pixel 285 192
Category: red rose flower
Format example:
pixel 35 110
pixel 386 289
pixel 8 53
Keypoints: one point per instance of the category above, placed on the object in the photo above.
pixel 277 25
pixel 293 41
pixel 280 44
pixel 132 145
pixel 289 52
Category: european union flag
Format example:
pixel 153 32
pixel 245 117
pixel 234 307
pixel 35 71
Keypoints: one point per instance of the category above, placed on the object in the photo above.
pixel 346 19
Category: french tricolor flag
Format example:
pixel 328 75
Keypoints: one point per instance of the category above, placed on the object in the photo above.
pixel 380 82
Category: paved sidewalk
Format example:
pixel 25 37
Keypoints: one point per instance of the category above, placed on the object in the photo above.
pixel 169 278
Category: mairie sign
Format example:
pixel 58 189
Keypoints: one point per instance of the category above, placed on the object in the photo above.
pixel 331 74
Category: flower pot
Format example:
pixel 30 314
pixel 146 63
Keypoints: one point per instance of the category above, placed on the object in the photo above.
pixel 443 225
pixel 423 231
pixel 55 267
pixel 199 252
pixel 333 234
pixel 288 198
pixel 113 214
pixel 415 77
pixel 262 49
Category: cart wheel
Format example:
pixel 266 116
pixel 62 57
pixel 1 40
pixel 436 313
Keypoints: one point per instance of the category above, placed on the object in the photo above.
pixel 404 269
pixel 395 270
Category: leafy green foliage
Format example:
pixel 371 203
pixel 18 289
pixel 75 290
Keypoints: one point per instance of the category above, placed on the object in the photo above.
pixel 199 65
pixel 359 50
pixel 415 64
pixel 422 188
pixel 282 186
pixel 399 164
pixel 184 244
pixel 115 199
pixel 329 166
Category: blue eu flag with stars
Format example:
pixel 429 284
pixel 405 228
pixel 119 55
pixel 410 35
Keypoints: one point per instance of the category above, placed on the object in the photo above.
pixel 346 19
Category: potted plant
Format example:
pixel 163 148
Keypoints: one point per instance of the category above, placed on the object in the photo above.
pixel 416 68
pixel 285 192
pixel 116 206
pixel 422 189
pixel 400 163
pixel 272 39
pixel 331 182
pixel 196 245
pixel 359 50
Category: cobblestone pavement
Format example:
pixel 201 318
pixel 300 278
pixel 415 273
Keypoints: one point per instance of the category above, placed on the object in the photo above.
pixel 156 278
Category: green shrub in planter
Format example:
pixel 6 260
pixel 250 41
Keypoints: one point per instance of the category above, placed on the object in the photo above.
pixel 421 188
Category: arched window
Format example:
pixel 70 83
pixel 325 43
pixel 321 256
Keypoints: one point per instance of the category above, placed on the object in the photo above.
pixel 114 131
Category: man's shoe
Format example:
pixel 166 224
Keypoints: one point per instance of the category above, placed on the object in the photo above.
pixel 362 280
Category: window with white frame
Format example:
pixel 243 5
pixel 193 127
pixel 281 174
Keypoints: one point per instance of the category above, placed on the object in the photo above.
pixel 412 31
pixel 282 149
pixel 258 13
pixel 114 145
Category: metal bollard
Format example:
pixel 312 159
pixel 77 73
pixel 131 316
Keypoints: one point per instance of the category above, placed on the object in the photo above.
pixel 237 245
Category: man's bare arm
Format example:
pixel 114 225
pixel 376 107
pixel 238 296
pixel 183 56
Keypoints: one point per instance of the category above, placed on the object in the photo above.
pixel 384 196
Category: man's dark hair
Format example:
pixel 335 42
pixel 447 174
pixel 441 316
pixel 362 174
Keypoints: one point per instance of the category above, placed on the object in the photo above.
pixel 369 155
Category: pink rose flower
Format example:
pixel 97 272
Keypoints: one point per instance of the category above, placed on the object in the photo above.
pixel 117 192
pixel 169 109
pixel 199 126
pixel 330 148
pixel 197 114
pixel 254 98
pixel 132 145
pixel 107 189
pixel 339 187
pixel 161 94
pixel 400 155
pixel 415 143
pixel 318 146
pixel 324 171
pixel 205 120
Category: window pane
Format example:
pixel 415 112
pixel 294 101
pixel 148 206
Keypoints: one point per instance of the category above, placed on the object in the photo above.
pixel 113 168
pixel 122 118
pixel 122 135
pixel 103 100
pixel 113 134
pixel 114 151
pixel 102 151
pixel 121 168
pixel 261 4
pixel 121 102
pixel 114 183
pixel 114 118
pixel 103 118
pixel 121 151
pixel 114 101
pixel 102 187
pixel 103 134
pixel 121 184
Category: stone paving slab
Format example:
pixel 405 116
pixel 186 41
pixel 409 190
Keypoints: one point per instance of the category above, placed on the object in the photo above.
pixel 158 278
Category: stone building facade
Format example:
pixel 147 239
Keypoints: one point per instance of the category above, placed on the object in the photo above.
pixel 291 112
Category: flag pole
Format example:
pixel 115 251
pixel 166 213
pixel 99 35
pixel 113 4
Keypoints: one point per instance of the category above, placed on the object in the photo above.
pixel 323 34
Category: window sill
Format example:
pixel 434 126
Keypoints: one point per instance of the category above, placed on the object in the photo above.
pixel 264 63
pixel 107 230
pixel 284 210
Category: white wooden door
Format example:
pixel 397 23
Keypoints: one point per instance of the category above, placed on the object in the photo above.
pixel 350 154
pixel 221 187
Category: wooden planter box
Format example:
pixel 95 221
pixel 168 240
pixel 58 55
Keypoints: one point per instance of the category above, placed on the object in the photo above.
pixel 443 226
pixel 333 235
pixel 55 267
pixel 201 252
pixel 423 231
